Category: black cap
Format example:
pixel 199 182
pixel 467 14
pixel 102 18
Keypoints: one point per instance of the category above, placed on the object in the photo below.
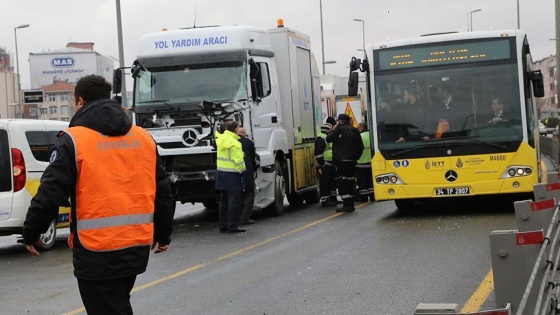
pixel 344 117
pixel 331 120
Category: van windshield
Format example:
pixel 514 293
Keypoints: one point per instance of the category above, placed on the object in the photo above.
pixel 5 169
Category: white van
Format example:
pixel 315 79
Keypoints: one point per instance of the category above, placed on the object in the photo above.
pixel 25 146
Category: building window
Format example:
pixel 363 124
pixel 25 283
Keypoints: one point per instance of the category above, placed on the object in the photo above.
pixel 52 98
pixel 52 110
pixel 64 110
pixel 64 98
pixel 43 111
pixel 33 111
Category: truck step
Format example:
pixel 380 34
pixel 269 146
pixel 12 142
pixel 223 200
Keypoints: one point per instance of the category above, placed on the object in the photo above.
pixel 263 203
pixel 262 185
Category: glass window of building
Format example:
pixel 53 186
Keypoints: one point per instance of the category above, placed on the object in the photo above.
pixel 52 98
pixel 52 110
pixel 64 110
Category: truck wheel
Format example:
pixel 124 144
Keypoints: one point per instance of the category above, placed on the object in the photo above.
pixel 276 208
pixel 48 238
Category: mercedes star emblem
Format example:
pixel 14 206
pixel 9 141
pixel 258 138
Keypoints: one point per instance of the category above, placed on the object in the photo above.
pixel 190 137
pixel 451 176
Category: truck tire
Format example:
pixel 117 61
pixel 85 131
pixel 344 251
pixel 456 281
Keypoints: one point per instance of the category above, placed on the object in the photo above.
pixel 276 208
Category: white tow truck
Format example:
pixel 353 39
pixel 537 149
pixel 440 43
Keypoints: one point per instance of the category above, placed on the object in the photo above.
pixel 188 81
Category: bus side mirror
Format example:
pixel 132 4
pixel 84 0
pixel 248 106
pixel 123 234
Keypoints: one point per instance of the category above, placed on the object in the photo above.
pixel 117 81
pixel 353 84
pixel 538 84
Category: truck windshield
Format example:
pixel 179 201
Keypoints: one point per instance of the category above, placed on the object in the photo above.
pixel 431 105
pixel 217 81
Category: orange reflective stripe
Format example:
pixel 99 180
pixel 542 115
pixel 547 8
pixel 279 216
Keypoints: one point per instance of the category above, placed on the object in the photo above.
pixel 115 188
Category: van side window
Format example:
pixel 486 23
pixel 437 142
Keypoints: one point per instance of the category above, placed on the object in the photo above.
pixel 41 143
pixel 5 167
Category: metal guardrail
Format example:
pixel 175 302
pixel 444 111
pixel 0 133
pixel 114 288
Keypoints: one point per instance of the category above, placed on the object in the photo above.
pixel 525 261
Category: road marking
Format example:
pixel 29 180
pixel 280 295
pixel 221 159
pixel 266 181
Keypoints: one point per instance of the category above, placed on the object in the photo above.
pixel 480 295
pixel 226 256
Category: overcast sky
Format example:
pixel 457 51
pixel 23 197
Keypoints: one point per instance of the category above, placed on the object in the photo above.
pixel 54 23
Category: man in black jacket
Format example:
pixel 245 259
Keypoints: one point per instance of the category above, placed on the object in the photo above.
pixel 347 148
pixel 250 157
pixel 120 196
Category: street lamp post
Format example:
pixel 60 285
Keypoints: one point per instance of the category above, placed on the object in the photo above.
pixel 470 14
pixel 518 24
pixel 17 71
pixel 363 34
pixel 327 62
pixel 322 37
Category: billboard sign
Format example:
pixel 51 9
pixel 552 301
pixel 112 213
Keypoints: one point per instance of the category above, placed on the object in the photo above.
pixel 32 97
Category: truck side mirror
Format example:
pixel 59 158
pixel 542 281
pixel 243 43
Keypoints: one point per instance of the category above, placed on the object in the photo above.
pixel 538 84
pixel 353 84
pixel 117 81
pixel 355 64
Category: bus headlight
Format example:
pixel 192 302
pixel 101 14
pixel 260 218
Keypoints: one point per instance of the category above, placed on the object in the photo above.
pixel 390 178
pixel 516 171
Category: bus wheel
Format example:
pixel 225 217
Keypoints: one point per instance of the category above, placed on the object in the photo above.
pixel 48 238
pixel 404 203
pixel 276 208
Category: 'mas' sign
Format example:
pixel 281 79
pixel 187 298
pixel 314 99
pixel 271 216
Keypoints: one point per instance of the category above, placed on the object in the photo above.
pixel 63 62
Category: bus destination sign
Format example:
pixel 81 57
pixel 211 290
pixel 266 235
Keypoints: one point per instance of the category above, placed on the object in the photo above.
pixel 432 55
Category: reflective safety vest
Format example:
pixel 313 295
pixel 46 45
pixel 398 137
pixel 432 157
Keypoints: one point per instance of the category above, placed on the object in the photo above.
pixel 230 157
pixel 115 188
pixel 365 158
pixel 327 154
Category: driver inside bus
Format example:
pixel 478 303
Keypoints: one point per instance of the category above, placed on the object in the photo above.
pixel 499 114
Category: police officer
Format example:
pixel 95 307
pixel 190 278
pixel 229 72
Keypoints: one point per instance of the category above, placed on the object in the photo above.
pixel 230 177
pixel 363 166
pixel 347 148
pixel 325 168
pixel 121 203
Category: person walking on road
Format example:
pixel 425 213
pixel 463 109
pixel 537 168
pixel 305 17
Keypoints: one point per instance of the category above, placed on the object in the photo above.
pixel 363 166
pixel 230 177
pixel 248 147
pixel 347 148
pixel 120 196
pixel 325 168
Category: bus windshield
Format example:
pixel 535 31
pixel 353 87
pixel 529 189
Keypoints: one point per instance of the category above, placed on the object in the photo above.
pixel 217 81
pixel 471 104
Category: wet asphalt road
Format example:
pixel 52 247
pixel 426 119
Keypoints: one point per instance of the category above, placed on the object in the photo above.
pixel 311 260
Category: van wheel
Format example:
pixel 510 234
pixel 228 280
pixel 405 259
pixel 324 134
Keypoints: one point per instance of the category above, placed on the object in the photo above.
pixel 48 238
pixel 276 208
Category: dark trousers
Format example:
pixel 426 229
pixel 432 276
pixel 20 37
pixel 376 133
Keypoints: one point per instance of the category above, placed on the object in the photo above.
pixel 346 176
pixel 327 186
pixel 230 209
pixel 107 297
pixel 365 181
pixel 248 197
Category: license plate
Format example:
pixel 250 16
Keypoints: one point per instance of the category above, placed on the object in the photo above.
pixel 449 191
